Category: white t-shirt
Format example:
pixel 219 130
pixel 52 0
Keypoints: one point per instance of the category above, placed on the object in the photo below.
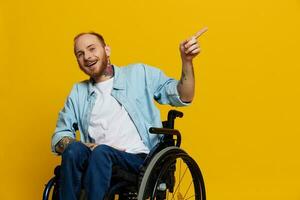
pixel 110 123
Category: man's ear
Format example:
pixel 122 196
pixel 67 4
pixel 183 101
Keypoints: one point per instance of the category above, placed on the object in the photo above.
pixel 107 50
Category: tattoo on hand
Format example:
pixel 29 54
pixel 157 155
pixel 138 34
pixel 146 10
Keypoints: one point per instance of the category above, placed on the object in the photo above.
pixel 63 143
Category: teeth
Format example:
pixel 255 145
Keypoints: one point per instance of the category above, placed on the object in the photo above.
pixel 92 63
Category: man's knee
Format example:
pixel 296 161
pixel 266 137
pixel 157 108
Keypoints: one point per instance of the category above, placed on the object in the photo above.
pixel 103 151
pixel 74 150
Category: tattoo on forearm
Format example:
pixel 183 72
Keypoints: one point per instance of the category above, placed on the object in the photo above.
pixel 186 74
pixel 183 78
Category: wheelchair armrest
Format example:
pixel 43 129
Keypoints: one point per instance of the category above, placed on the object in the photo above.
pixel 167 131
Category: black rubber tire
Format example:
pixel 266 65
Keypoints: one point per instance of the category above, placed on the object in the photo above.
pixel 50 191
pixel 158 167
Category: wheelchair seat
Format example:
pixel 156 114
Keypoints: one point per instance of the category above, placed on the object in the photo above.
pixel 120 174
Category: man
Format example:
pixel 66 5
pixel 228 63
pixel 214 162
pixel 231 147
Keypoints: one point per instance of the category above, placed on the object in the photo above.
pixel 113 111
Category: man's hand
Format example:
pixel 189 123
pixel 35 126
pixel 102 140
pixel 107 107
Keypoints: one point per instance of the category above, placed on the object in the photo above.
pixel 190 48
pixel 92 146
pixel 63 143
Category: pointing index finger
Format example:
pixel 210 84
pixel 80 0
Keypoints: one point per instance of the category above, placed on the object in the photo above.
pixel 199 33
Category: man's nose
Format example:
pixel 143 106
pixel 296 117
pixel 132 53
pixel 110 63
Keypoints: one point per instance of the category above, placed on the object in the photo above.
pixel 87 56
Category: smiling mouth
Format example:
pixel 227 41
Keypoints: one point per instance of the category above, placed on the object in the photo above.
pixel 90 64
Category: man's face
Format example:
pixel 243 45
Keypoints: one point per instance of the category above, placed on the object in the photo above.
pixel 91 55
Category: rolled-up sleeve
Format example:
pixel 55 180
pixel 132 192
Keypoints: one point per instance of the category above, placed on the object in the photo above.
pixel 164 88
pixel 66 121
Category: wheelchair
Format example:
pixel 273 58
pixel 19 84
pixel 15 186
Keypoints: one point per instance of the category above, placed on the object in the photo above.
pixel 168 172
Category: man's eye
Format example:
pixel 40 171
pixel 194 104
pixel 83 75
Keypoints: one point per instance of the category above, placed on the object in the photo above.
pixel 92 49
pixel 79 55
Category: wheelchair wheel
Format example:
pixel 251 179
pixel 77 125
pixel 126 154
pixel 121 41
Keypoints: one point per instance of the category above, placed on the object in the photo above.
pixel 51 191
pixel 172 174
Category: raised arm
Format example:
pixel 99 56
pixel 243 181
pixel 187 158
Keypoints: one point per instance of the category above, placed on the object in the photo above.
pixel 189 49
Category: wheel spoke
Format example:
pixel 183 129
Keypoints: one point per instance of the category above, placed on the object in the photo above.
pixel 179 171
pixel 179 196
pixel 179 183
pixel 187 189
pixel 189 197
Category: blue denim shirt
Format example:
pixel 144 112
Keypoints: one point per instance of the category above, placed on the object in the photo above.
pixel 135 86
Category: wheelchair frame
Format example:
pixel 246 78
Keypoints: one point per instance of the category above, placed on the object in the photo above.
pixel 159 163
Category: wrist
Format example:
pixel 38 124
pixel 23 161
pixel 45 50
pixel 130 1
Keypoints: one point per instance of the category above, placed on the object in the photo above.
pixel 187 63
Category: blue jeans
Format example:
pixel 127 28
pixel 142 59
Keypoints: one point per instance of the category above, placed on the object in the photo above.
pixel 91 170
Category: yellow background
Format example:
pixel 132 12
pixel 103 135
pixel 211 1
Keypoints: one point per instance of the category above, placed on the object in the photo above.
pixel 243 127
